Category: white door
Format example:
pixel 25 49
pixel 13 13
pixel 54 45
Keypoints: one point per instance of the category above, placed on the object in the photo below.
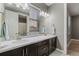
pixel 11 19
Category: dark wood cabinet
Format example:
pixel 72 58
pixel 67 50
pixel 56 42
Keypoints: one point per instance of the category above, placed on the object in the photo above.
pixel 38 49
pixel 15 52
pixel 52 44
pixel 43 48
pixel 31 50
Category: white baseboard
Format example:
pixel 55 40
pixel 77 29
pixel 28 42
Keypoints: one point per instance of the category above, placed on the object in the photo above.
pixel 69 43
pixel 75 39
pixel 60 50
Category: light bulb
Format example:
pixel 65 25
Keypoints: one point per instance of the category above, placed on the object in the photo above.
pixel 26 5
pixel 18 5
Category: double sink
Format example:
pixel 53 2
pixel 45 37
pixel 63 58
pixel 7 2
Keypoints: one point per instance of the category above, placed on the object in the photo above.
pixel 12 44
pixel 19 41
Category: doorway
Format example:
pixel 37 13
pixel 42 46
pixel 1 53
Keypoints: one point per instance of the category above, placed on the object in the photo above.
pixel 73 29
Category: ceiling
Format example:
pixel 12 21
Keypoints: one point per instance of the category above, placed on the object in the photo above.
pixel 73 9
pixel 16 7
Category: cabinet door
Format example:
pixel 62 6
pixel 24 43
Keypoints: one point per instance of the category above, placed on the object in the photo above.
pixel 38 49
pixel 43 50
pixel 15 52
pixel 32 50
pixel 52 44
pixel 25 51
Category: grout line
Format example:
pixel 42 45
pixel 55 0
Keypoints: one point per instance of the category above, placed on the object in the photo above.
pixel 60 50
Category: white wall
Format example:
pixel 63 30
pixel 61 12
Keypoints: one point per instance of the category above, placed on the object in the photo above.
pixel 75 27
pixel 68 29
pixel 69 25
pixel 56 12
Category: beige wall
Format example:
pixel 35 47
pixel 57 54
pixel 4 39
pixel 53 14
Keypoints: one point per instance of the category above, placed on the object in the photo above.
pixel 75 27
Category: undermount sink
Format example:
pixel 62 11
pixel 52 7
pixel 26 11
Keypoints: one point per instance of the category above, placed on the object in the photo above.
pixel 19 41
pixel 3 46
pixel 12 42
pixel 6 43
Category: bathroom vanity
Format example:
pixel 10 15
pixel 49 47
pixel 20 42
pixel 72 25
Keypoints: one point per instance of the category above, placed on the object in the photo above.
pixel 33 46
pixel 26 33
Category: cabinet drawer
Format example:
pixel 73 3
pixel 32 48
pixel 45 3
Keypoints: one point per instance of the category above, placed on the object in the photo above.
pixel 42 43
pixel 42 50
pixel 32 50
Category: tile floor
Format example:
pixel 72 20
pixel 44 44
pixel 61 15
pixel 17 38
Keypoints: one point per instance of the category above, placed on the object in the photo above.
pixel 57 53
pixel 73 49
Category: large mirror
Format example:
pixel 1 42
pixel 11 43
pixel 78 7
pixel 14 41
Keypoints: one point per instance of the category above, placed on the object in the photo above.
pixel 21 22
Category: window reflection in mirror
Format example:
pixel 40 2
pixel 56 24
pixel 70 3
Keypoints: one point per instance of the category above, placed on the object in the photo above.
pixel 33 24
pixel 34 19
pixel 22 25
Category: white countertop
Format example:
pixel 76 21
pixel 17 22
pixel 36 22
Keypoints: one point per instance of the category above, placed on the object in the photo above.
pixel 13 44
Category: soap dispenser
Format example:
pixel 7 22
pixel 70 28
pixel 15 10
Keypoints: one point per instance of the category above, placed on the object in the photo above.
pixel 54 29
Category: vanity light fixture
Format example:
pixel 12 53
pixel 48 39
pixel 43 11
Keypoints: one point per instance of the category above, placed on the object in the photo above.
pixel 42 13
pixel 18 5
pixel 47 14
pixel 25 6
